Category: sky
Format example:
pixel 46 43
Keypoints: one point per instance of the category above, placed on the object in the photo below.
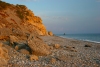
pixel 66 16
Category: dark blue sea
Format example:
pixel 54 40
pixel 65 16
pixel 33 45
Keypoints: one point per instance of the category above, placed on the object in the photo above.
pixel 85 37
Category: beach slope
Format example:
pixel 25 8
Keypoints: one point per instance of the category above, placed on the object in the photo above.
pixel 73 53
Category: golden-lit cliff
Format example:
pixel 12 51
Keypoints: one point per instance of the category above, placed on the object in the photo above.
pixel 18 19
pixel 20 29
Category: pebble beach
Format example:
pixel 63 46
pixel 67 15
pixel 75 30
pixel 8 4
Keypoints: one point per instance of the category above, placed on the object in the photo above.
pixel 67 53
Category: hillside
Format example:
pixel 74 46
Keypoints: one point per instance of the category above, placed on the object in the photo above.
pixel 19 32
pixel 25 42
pixel 20 19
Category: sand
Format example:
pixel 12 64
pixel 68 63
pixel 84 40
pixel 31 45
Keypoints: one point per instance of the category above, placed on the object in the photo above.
pixel 67 53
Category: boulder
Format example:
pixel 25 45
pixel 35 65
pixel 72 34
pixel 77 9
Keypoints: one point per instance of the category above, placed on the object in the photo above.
pixel 38 47
pixel 23 47
pixel 56 46
pixel 24 51
pixel 33 57
pixel 88 45
pixel 50 33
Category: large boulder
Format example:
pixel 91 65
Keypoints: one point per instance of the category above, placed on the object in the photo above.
pixel 38 47
pixel 50 33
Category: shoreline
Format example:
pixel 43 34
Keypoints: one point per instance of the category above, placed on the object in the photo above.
pixel 79 39
pixel 80 53
pixel 64 53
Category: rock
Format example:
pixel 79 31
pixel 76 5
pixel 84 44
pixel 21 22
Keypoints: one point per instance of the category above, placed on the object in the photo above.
pixel 24 51
pixel 57 46
pixel 53 60
pixel 51 47
pixel 63 58
pixel 50 33
pixel 13 39
pixel 88 45
pixel 4 57
pixel 2 37
pixel 33 57
pixel 16 47
pixel 20 46
pixel 38 47
pixel 73 50
pixel 70 48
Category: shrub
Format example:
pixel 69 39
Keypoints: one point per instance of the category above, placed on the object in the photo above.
pixel 20 14
pixel 3 5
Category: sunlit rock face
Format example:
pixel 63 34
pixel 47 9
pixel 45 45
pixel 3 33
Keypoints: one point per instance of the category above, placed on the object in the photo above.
pixel 18 19
pixel 20 29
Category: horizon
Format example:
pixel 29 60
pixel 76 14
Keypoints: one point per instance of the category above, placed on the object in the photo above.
pixel 66 16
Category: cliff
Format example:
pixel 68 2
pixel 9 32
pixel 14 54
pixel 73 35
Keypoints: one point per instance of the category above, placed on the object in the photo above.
pixel 20 30
pixel 20 20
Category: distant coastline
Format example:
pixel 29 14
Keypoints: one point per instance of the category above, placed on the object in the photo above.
pixel 95 38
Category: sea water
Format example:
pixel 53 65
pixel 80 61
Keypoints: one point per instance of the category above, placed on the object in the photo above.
pixel 85 37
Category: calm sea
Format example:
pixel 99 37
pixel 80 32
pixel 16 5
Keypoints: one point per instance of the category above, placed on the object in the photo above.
pixel 84 37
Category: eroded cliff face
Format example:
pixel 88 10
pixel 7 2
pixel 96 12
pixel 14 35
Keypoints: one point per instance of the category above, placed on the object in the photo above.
pixel 20 20
pixel 20 29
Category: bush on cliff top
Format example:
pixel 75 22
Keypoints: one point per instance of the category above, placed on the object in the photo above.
pixel 3 5
pixel 21 11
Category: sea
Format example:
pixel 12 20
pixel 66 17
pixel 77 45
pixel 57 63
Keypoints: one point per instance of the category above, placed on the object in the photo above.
pixel 84 37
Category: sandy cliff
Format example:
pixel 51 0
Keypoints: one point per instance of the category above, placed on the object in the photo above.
pixel 20 29
pixel 19 19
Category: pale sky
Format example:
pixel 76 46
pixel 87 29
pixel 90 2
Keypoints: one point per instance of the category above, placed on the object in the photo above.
pixel 66 16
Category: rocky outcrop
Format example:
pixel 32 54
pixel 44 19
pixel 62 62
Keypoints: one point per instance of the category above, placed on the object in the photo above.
pixel 50 33
pixel 20 29
pixel 19 20
pixel 4 57
pixel 39 47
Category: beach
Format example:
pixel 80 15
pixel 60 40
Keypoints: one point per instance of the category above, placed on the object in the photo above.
pixel 64 53
pixel 31 33
pixel 73 53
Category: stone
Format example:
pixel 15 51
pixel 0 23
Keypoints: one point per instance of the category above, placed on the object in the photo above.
pixel 50 33
pixel 13 39
pixel 24 51
pixel 63 58
pixel 33 57
pixel 38 47
pixel 56 46
pixel 20 46
pixel 88 45
pixel 16 47
pixel 70 48
pixel 53 60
